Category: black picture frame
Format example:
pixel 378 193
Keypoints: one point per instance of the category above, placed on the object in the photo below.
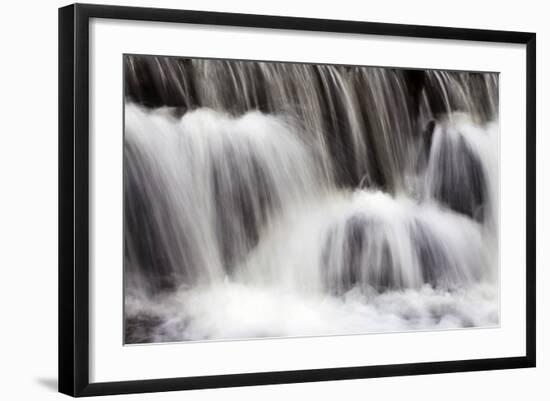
pixel 74 198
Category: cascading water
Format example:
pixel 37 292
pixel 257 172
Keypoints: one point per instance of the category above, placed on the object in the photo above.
pixel 274 199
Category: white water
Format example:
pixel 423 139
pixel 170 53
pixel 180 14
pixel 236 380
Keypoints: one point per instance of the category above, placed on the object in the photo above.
pixel 259 240
pixel 232 310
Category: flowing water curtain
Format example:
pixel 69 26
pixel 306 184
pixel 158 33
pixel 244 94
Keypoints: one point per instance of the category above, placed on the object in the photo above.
pixel 473 93
pixel 200 189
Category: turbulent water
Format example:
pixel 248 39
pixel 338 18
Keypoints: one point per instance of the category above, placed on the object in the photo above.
pixel 277 199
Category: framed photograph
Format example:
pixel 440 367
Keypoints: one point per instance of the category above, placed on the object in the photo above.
pixel 249 199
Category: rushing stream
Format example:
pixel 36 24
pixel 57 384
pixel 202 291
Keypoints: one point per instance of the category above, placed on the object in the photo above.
pixel 277 199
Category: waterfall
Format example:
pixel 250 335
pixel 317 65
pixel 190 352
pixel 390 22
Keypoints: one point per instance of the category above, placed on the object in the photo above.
pixel 354 199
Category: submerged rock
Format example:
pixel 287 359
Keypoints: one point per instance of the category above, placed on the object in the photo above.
pixel 358 254
pixel 455 175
